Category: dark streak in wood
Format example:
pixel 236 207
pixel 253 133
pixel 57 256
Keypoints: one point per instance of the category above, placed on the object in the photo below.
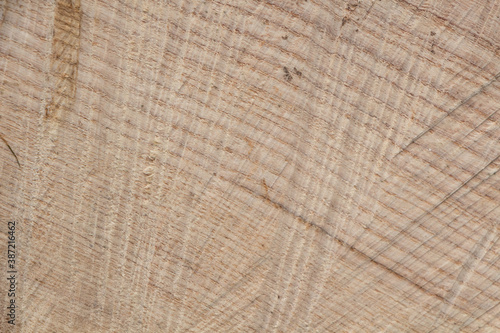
pixel 288 76
pixel 64 60
pixel 297 72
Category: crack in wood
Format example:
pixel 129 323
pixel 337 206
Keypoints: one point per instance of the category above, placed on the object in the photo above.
pixel 11 150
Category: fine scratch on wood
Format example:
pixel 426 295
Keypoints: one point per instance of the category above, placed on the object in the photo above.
pixel 11 150
pixel 482 246
pixel 438 121
pixel 417 221
pixel 350 247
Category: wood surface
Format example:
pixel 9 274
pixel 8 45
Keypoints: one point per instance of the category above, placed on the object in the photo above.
pixel 251 166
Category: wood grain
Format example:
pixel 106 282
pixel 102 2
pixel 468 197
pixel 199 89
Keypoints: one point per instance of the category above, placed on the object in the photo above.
pixel 240 166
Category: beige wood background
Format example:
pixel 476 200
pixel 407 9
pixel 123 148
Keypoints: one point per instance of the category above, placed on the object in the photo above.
pixel 251 166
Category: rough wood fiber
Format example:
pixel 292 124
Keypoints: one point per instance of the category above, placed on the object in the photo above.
pixel 239 166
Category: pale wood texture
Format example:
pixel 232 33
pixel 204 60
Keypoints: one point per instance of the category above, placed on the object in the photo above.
pixel 252 166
